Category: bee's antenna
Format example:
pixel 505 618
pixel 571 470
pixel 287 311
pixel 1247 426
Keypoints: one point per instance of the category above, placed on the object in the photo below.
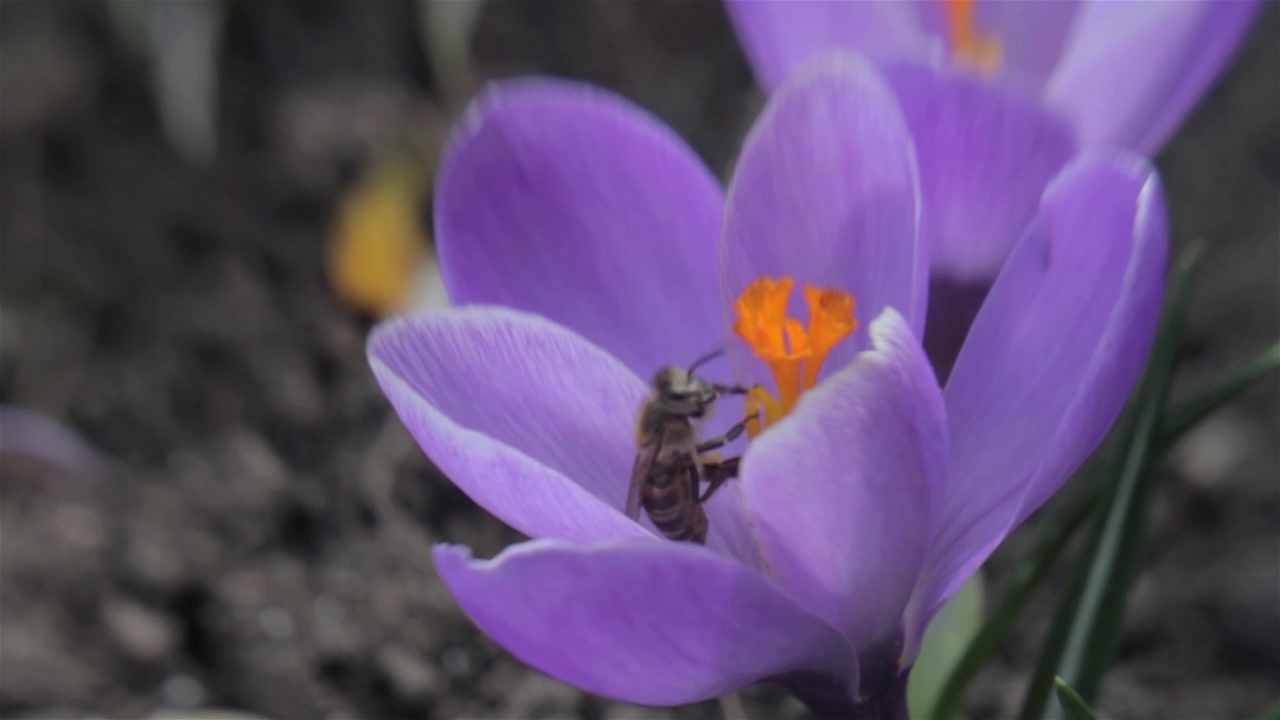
pixel 705 359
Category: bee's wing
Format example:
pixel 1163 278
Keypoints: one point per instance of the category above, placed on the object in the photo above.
pixel 639 475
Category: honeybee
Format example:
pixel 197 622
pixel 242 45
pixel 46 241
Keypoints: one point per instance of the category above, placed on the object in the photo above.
pixel 670 460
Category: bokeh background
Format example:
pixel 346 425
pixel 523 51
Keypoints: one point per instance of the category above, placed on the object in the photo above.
pixel 252 530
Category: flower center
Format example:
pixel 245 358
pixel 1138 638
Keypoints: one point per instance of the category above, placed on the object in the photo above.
pixel 970 46
pixel 793 351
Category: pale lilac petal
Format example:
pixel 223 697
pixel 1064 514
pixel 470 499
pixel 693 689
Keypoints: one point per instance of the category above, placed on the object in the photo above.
pixel 532 421
pixel 780 36
pixel 840 491
pixel 985 155
pixel 40 437
pixel 568 201
pixel 1135 69
pixel 656 624
pixel 1032 33
pixel 826 192
pixel 527 418
pixel 1051 357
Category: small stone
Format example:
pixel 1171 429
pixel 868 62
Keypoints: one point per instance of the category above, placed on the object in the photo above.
pixel 534 695
pixel 276 622
pixel 1146 606
pixel 156 563
pixel 144 633
pixel 255 469
pixel 456 661
pixel 190 469
pixel 623 711
pixel 328 610
pixel 80 525
pixel 183 691
pixel 1209 454
pixel 411 677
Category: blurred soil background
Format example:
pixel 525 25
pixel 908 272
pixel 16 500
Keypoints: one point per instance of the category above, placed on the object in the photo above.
pixel 259 539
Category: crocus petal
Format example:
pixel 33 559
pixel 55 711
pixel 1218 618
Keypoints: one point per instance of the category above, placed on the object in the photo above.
pixel 527 418
pixel 826 191
pixel 38 436
pixel 985 154
pixel 1135 69
pixel 657 624
pixel 1032 35
pixel 565 200
pixel 781 36
pixel 840 490
pixel 1051 357
pixel 532 421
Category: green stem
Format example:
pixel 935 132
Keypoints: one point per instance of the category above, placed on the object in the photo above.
pixel 1185 416
pixel 1030 574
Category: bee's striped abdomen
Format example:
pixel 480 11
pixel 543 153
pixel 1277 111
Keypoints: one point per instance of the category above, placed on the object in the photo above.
pixel 670 500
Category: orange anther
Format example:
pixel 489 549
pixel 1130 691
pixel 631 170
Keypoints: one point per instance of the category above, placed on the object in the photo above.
pixel 830 321
pixel 969 45
pixel 793 352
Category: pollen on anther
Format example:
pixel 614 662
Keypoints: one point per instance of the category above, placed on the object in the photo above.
pixel 830 321
pixel 969 45
pixel 761 314
pixel 793 352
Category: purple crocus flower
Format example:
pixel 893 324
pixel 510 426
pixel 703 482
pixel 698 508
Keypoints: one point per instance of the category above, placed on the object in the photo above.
pixel 586 246
pixel 1124 73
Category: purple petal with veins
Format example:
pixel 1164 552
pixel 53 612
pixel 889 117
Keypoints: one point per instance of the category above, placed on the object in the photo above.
pixel 858 514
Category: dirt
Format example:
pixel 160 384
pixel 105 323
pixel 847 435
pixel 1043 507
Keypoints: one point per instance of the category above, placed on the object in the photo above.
pixel 259 538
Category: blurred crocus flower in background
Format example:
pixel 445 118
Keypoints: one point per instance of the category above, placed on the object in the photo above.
pixel 41 438
pixel 380 259
pixel 1016 90
pixel 587 246
pixel 1124 73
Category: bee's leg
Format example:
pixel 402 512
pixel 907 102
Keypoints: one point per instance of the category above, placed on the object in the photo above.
pixel 717 473
pixel 714 469
pixel 731 389
pixel 728 437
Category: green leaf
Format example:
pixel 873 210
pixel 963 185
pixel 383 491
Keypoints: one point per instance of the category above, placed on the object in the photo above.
pixel 1086 626
pixel 1271 713
pixel 950 632
pixel 1077 708
pixel 445 30
pixel 129 19
pixel 1030 573
pixel 1182 418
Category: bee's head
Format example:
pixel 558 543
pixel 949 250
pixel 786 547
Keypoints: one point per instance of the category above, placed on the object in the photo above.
pixel 682 393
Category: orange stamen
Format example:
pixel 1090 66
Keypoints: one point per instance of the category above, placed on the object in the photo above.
pixel 830 321
pixel 794 353
pixel 969 45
